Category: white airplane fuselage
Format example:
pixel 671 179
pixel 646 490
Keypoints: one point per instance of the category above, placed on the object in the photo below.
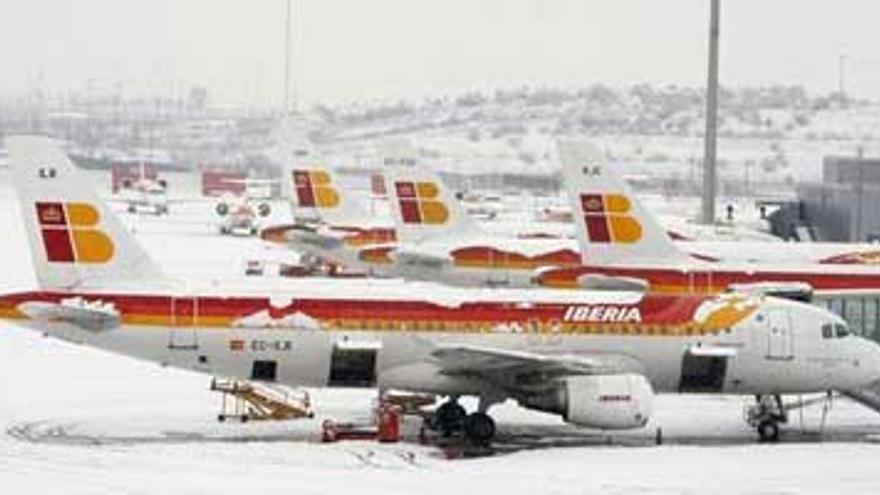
pixel 761 356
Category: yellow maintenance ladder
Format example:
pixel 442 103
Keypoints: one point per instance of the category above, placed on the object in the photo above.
pixel 253 401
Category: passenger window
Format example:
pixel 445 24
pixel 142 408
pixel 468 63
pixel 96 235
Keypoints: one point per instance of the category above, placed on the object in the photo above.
pixel 841 330
pixel 827 331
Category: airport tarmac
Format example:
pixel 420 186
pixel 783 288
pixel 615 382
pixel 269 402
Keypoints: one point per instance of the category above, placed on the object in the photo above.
pixel 78 420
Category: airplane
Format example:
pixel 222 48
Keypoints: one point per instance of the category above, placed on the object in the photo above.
pixel 595 358
pixel 428 252
pixel 620 238
pixel 728 244
pixel 454 249
pixel 329 223
pixel 240 214
pixel 432 238
pixel 144 194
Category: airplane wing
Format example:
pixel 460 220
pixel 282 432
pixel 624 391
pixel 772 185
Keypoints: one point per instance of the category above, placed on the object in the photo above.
pixel 253 182
pixel 425 258
pixel 93 316
pixel 302 235
pixel 500 365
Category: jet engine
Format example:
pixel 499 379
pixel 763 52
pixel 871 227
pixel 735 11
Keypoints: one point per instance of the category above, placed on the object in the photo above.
pixel 264 209
pixel 609 402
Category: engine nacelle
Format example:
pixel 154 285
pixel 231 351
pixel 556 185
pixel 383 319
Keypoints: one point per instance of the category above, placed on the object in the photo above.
pixel 264 209
pixel 610 402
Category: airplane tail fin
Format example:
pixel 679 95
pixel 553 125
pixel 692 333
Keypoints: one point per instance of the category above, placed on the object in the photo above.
pixel 312 188
pixel 613 226
pixel 422 206
pixel 316 195
pixel 75 238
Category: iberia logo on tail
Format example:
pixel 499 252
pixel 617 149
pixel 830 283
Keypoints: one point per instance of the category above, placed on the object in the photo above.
pixel 314 189
pixel 71 235
pixel 608 218
pixel 420 203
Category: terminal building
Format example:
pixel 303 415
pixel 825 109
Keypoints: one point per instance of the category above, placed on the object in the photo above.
pixel 844 207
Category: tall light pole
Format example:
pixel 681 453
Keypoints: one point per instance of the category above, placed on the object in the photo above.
pixel 287 40
pixel 710 181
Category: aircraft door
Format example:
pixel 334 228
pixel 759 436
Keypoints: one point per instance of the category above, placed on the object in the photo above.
pixel 353 364
pixel 780 338
pixel 184 314
pixel 702 374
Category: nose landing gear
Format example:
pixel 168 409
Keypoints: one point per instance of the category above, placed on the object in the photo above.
pixel 766 416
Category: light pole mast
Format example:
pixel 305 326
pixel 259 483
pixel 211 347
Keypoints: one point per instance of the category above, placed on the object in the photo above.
pixel 287 40
pixel 710 181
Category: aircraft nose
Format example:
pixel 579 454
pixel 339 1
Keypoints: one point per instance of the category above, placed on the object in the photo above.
pixel 869 362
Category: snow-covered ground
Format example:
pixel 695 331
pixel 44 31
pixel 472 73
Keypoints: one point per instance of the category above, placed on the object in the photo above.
pixel 78 420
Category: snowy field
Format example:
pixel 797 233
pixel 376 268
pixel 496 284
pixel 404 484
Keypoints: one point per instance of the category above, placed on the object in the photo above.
pixel 78 420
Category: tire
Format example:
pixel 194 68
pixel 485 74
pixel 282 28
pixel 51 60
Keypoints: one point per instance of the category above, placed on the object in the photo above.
pixel 479 428
pixel 449 418
pixel 221 418
pixel 768 431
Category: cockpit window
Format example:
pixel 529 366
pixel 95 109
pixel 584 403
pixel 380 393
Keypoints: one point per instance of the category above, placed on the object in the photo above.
pixel 835 330
pixel 827 331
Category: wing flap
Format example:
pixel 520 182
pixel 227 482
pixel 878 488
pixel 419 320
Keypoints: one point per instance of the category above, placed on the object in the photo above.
pixel 492 362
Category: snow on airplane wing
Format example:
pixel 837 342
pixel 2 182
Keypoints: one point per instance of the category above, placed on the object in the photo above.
pixel 491 362
pixel 428 258
pixel 94 316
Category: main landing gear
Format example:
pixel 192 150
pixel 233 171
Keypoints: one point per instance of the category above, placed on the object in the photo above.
pixel 766 416
pixel 451 419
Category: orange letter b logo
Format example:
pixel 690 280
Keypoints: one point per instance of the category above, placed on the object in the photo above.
pixel 608 220
pixel 71 235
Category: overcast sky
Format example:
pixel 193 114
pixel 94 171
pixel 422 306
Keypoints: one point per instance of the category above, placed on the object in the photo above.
pixel 375 49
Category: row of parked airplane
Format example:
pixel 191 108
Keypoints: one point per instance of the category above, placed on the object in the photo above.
pixel 239 214
pixel 588 330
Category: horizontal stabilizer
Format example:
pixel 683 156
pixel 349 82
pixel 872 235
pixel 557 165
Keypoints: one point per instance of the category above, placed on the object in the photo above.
pixel 796 291
pixel 595 281
pixel 416 258
pixel 94 316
